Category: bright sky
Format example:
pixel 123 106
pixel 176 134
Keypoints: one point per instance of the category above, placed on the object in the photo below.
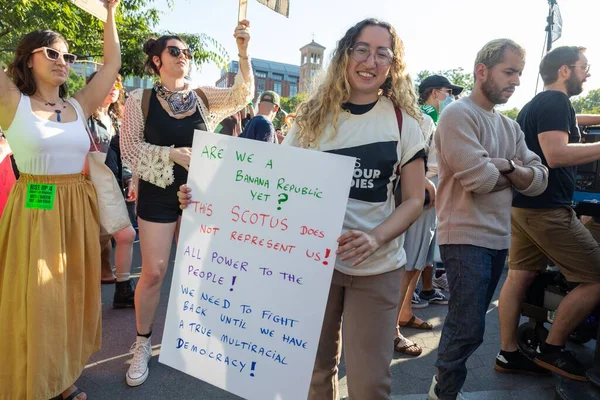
pixel 437 34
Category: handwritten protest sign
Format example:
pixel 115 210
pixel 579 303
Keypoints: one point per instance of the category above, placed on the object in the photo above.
pixel 95 7
pixel 254 264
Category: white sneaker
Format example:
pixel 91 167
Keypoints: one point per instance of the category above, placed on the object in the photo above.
pixel 432 396
pixel 138 370
pixel 441 283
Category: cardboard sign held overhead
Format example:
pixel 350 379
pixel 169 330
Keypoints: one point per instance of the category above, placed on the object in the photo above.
pixel 97 8
pixel 279 6
pixel 243 10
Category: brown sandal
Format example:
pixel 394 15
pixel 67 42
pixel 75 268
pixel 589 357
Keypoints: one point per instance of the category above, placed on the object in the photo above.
pixel 413 350
pixel 426 326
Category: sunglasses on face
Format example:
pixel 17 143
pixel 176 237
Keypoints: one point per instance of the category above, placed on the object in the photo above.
pixel 53 55
pixel 176 51
pixel 118 85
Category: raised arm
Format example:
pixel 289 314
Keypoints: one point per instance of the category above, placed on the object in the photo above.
pixel 222 102
pixel 9 100
pixel 93 94
pixel 148 162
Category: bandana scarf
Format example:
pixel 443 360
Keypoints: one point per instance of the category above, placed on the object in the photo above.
pixel 179 104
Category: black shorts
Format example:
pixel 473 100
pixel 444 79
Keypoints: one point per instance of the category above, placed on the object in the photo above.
pixel 156 204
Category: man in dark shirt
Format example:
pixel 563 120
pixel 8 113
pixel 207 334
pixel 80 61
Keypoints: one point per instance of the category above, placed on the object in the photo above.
pixel 546 226
pixel 261 127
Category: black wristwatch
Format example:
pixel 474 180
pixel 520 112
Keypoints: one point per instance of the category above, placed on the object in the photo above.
pixel 511 167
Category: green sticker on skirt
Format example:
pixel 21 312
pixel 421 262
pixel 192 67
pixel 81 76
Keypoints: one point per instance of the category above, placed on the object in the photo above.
pixel 40 196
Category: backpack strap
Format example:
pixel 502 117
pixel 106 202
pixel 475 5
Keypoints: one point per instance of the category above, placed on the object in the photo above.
pixel 146 103
pixel 399 120
pixel 397 192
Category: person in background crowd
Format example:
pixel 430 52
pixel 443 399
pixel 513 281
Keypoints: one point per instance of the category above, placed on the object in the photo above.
pixel 435 93
pixel 156 144
pixel 546 226
pixel 482 156
pixel 279 135
pixel 248 118
pixel 407 284
pixel 104 125
pixel 49 249
pixel 229 125
pixel 261 126
pixel 356 112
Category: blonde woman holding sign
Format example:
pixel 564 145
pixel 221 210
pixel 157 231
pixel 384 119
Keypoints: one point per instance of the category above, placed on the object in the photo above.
pixel 156 141
pixel 49 248
pixel 366 108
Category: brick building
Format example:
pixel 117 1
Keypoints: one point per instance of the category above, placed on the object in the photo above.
pixel 285 79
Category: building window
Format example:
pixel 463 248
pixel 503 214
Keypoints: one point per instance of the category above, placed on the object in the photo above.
pixel 293 79
pixel 293 89
pixel 278 77
pixel 260 74
pixel 260 86
pixel 277 87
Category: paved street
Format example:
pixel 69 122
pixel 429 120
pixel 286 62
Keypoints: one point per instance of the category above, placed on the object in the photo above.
pixel 104 377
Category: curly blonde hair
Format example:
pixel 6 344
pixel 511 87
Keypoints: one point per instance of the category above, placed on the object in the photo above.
pixel 325 104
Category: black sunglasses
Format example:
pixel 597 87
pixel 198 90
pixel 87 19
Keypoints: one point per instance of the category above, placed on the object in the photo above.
pixel 176 51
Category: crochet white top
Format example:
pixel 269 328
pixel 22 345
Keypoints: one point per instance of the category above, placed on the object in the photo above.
pixel 150 162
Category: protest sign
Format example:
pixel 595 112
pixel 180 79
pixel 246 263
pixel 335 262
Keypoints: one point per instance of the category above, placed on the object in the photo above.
pixel 254 263
pixel 95 7
pixel 243 10
pixel 280 6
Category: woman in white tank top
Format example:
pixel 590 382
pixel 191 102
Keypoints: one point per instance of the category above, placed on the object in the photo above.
pixel 49 249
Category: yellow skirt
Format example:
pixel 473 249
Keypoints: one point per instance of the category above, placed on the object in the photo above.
pixel 50 306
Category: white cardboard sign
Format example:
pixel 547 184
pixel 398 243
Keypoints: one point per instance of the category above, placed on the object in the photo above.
pixel 254 263
pixel 97 8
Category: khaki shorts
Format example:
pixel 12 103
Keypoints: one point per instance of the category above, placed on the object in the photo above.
pixel 539 235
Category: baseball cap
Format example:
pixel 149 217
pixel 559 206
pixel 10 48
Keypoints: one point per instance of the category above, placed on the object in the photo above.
pixel 271 97
pixel 436 81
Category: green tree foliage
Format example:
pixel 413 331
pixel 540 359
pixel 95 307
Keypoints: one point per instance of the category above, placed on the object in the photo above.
pixel 457 76
pixel 75 83
pixel 589 104
pixel 136 22
pixel 289 105
pixel 511 113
